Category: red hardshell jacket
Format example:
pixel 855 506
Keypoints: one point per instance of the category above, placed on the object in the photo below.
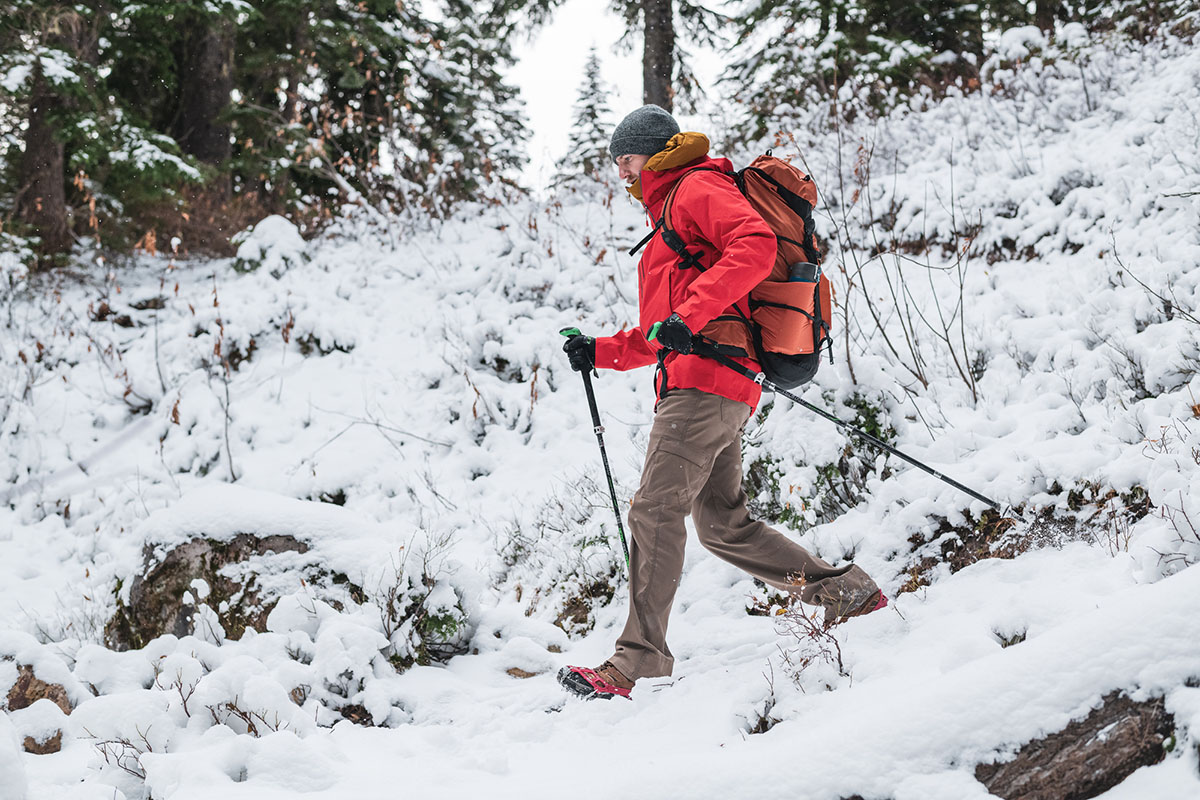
pixel 737 250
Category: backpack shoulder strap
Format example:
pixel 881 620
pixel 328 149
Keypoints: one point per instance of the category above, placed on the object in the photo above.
pixel 688 259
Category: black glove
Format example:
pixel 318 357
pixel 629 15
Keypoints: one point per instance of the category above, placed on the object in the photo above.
pixel 581 352
pixel 674 334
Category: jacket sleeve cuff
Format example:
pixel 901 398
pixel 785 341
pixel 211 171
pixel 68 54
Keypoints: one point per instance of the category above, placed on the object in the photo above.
pixel 693 319
pixel 626 350
pixel 608 352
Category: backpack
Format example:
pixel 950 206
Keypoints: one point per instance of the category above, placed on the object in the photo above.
pixel 791 310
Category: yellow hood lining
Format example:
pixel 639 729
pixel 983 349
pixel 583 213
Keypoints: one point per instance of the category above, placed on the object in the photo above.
pixel 682 148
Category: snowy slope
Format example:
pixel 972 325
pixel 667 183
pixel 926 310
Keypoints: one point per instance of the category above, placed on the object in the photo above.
pixel 415 377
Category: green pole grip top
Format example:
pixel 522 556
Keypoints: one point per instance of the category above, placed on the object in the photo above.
pixel 654 332
pixel 571 332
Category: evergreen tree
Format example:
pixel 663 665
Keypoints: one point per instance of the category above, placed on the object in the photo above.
pixel 471 127
pixel 666 70
pixel 590 130
pixel 274 105
pixel 667 73
pixel 796 51
pixel 324 88
pixel 84 158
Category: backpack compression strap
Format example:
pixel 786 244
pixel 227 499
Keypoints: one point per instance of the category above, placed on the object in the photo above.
pixel 799 206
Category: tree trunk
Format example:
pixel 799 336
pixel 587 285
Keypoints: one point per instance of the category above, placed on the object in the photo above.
pixel 658 56
pixel 1045 13
pixel 43 202
pixel 205 84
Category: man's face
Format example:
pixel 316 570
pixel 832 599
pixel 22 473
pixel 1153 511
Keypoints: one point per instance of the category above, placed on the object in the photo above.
pixel 629 167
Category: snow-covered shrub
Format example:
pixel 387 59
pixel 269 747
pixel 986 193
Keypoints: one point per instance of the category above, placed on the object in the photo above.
pixel 17 257
pixel 782 489
pixel 1086 511
pixel 1173 536
pixel 274 244
pixel 422 611
pixel 564 561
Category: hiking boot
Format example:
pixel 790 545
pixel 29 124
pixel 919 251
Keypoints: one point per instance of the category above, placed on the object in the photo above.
pixel 873 602
pixel 605 681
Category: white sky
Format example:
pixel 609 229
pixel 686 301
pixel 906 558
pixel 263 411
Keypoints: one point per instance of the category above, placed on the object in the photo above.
pixel 550 71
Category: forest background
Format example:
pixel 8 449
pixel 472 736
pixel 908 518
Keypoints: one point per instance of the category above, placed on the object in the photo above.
pixel 127 126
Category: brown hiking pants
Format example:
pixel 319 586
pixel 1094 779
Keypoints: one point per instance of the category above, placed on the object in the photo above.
pixel 694 464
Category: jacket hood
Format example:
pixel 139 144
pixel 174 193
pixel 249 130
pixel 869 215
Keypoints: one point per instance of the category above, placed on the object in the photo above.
pixel 684 151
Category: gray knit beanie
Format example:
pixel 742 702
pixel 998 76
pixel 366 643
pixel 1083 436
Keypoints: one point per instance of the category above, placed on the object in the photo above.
pixel 644 132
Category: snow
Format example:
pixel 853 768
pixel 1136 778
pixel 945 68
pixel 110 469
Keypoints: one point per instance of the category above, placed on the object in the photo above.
pixel 1018 43
pixel 16 77
pixel 58 67
pixel 396 399
pixel 12 771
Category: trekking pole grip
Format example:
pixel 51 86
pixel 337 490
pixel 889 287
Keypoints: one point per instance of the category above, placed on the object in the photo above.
pixel 587 384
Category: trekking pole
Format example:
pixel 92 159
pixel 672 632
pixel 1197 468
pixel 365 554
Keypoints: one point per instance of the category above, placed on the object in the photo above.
pixel 599 430
pixel 704 348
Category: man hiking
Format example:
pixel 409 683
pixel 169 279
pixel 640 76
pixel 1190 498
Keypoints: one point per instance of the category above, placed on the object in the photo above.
pixel 694 458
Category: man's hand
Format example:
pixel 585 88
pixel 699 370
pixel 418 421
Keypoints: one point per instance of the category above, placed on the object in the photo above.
pixel 673 334
pixel 581 351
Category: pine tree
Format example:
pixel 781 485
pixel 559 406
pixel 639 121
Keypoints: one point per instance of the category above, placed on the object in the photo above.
pixel 796 52
pixel 666 70
pixel 472 128
pixel 667 74
pixel 588 152
pixel 116 114
pixel 86 158
pixel 325 86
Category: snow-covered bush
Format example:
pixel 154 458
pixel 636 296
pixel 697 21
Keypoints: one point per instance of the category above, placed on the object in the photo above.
pixel 17 257
pixel 422 611
pixel 797 480
pixel 274 245
pixel 564 561
pixel 1174 537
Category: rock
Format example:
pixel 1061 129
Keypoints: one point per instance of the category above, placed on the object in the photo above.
pixel 1086 758
pixel 40 726
pixel 517 672
pixel 51 745
pixel 29 689
pixel 191 584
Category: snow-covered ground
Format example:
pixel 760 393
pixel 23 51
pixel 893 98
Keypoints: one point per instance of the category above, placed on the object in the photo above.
pixel 397 400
